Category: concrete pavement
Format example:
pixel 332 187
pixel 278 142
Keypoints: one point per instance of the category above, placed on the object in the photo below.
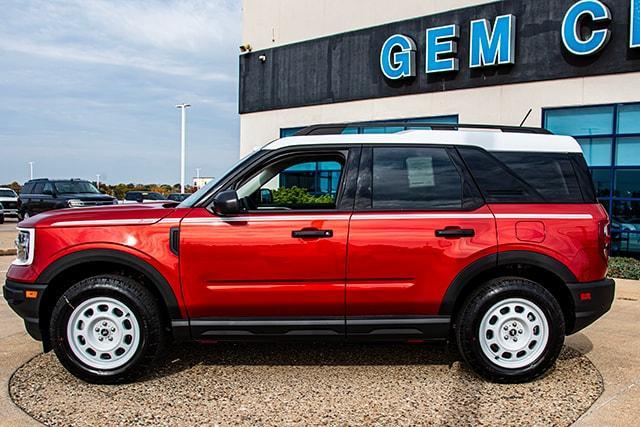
pixel 16 347
pixel 612 344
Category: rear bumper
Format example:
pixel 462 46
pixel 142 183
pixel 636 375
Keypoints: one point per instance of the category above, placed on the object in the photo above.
pixel 591 300
pixel 28 308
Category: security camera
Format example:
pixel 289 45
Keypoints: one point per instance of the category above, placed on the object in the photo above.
pixel 245 48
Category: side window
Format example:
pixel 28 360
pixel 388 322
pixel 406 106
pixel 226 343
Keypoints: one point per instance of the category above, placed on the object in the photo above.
pixel 301 182
pixel 48 187
pixel 38 187
pixel 27 189
pixel 415 178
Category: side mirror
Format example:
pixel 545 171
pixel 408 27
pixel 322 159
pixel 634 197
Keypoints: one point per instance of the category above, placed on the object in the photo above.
pixel 227 203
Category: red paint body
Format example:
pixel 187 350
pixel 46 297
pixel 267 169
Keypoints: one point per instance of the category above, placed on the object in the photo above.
pixel 377 263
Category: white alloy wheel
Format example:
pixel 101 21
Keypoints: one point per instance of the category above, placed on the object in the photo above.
pixel 513 333
pixel 103 333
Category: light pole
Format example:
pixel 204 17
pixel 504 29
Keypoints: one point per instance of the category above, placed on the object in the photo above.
pixel 31 170
pixel 197 172
pixel 98 181
pixel 183 108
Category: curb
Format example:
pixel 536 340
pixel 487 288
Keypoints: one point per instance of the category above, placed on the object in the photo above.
pixel 7 252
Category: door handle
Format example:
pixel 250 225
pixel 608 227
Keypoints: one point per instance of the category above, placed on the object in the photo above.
pixel 455 232
pixel 313 233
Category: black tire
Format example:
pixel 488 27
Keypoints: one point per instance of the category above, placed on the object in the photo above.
pixel 469 319
pixel 142 305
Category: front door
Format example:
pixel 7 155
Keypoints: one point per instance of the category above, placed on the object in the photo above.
pixel 419 221
pixel 279 267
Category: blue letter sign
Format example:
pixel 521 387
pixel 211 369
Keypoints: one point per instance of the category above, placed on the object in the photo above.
pixel 571 38
pixel 634 39
pixel 492 47
pixel 441 41
pixel 398 57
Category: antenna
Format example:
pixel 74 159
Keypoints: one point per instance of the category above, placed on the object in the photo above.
pixel 526 117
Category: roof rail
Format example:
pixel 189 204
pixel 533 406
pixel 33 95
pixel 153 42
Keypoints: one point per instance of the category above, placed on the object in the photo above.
pixel 338 128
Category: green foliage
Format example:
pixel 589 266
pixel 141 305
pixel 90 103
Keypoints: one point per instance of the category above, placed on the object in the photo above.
pixel 624 268
pixel 298 196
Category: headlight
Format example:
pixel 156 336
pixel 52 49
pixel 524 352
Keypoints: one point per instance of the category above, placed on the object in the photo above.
pixel 75 203
pixel 25 246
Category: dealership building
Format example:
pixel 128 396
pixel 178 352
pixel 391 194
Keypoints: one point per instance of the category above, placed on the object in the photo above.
pixel 571 66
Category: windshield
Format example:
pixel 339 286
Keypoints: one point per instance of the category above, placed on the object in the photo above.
pixel 193 199
pixel 7 193
pixel 74 187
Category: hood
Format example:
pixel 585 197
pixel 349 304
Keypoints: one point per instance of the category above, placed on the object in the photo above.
pixel 138 214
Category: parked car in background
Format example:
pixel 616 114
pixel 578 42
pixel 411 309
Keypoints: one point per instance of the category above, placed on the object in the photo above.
pixel 178 197
pixel 1 214
pixel 9 201
pixel 42 194
pixel 143 197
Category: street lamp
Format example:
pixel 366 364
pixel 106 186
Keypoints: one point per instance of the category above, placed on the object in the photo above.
pixel 183 108
pixel 98 181
pixel 198 172
pixel 31 170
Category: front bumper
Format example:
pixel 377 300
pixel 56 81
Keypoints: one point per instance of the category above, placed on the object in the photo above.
pixel 26 307
pixel 10 212
pixel 591 300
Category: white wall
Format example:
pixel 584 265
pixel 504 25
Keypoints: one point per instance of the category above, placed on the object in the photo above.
pixel 506 105
pixel 268 23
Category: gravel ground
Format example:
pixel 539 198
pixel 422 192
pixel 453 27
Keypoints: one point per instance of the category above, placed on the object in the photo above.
pixel 308 384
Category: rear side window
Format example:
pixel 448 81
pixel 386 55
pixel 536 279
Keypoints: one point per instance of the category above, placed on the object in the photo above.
pixel 415 178
pixel 526 177
pixel 38 187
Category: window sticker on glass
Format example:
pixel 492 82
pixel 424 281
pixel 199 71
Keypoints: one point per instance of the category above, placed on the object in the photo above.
pixel 420 172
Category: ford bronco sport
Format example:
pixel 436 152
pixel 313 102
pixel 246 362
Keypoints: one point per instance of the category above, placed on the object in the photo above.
pixel 487 236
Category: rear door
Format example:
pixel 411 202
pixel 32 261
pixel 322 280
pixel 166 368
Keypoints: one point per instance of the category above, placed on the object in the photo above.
pixel 419 221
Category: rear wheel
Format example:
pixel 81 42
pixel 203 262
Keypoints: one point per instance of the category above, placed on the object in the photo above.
pixel 510 330
pixel 107 329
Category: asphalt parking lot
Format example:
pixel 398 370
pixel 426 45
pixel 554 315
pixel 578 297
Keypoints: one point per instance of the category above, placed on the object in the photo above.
pixel 596 382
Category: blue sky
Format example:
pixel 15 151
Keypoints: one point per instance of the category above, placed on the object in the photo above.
pixel 90 86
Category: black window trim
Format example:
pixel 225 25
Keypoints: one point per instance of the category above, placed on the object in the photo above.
pixel 344 196
pixel 364 196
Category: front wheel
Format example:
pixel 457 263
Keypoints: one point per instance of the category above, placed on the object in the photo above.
pixel 107 329
pixel 510 330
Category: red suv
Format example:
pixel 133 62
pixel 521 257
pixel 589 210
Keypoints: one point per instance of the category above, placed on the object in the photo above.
pixel 492 238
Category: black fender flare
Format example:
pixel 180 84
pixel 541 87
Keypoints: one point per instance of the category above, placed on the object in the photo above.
pixel 116 257
pixel 488 262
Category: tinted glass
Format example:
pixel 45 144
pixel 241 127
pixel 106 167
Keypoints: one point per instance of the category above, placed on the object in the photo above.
pixel 7 193
pixel 628 151
pixel 496 182
pixel 131 196
pixel 629 118
pixel 625 227
pixel 415 178
pixel 602 181
pixel 597 151
pixel 73 187
pixel 27 189
pixel 551 175
pixel 38 187
pixel 581 121
pixel 627 183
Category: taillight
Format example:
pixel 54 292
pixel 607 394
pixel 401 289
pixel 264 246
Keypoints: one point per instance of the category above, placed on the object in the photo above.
pixel 604 237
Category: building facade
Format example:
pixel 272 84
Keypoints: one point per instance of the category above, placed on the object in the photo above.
pixel 572 66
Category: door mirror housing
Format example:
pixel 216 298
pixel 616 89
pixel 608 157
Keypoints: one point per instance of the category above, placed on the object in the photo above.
pixel 227 203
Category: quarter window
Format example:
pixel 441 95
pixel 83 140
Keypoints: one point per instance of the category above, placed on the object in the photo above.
pixel 415 178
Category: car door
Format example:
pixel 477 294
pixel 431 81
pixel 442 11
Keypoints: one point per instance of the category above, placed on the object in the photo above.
pixel 419 221
pixel 279 267
pixel 34 204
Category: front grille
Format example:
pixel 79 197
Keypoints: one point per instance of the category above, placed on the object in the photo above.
pixel 10 205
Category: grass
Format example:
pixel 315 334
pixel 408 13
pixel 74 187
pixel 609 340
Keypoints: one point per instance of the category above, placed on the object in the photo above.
pixel 624 268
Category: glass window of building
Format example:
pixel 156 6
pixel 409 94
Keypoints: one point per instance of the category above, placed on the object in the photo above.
pixel 610 139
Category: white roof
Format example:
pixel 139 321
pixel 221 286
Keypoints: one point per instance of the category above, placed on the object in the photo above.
pixel 489 140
